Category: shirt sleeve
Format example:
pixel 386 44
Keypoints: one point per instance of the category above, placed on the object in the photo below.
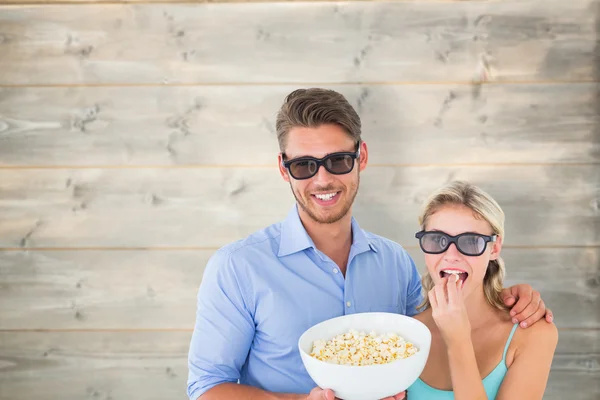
pixel 224 328
pixel 415 288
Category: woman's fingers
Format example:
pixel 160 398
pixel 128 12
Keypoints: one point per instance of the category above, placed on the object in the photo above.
pixel 440 292
pixel 452 289
pixel 432 299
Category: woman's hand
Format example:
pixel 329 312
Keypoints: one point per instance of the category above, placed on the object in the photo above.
pixel 449 311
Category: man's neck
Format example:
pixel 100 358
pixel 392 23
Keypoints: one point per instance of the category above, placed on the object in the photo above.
pixel 334 240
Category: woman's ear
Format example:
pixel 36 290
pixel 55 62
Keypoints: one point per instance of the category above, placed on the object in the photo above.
pixel 496 248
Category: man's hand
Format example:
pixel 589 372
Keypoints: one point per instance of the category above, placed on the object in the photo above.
pixel 320 394
pixel 327 394
pixel 527 305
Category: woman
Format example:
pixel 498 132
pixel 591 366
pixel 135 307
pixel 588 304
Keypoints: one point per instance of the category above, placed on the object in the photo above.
pixel 477 352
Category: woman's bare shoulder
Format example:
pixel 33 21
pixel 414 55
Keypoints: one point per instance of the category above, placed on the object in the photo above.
pixel 541 330
pixel 541 336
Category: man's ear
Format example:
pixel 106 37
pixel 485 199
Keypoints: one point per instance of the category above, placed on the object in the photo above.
pixel 282 170
pixel 496 248
pixel 364 156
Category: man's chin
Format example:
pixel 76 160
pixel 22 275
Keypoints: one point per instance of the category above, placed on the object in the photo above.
pixel 327 217
pixel 329 220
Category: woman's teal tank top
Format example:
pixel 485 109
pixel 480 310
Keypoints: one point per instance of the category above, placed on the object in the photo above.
pixel 422 391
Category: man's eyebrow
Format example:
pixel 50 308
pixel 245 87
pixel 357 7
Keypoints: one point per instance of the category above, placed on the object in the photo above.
pixel 326 154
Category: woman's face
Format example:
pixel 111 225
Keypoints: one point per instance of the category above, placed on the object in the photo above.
pixel 454 220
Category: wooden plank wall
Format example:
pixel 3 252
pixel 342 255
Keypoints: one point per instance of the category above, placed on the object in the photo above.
pixel 137 138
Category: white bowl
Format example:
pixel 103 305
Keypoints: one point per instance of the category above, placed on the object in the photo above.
pixel 367 382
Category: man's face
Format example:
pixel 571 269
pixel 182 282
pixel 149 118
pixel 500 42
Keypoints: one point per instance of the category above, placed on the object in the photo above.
pixel 325 197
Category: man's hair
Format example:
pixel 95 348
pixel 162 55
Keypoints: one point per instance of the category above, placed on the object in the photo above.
pixel 311 108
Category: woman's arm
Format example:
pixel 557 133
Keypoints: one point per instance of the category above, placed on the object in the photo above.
pixel 528 374
pixel 450 315
pixel 466 379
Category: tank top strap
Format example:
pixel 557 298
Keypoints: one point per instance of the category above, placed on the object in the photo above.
pixel 512 333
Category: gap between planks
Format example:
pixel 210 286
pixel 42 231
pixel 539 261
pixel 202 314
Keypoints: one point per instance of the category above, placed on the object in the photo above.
pixel 212 248
pixel 304 84
pixel 270 166
pixel 125 330
pixel 168 2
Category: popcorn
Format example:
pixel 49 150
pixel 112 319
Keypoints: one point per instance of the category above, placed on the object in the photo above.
pixel 358 348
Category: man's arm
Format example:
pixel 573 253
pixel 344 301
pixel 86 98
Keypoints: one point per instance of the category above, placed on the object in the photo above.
pixel 527 306
pixel 243 392
pixel 414 291
pixel 224 328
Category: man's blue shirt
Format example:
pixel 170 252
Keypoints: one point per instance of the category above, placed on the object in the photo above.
pixel 258 295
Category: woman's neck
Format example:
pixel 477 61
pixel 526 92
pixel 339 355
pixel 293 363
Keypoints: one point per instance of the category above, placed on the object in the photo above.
pixel 479 310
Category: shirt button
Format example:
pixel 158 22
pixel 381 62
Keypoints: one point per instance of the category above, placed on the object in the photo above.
pixel 335 271
pixel 348 304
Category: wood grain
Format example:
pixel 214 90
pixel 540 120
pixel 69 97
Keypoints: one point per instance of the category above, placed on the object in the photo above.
pixel 100 289
pixel 157 289
pixel 141 365
pixel 328 42
pixel 573 384
pixel 91 2
pixel 108 365
pixel 135 139
pixel 179 126
pixel 545 205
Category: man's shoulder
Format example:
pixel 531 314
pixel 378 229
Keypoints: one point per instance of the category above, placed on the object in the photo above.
pixel 263 241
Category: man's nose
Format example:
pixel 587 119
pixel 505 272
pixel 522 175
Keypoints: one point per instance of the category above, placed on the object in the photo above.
pixel 322 175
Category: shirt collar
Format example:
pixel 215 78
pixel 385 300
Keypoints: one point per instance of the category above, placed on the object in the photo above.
pixel 360 241
pixel 294 237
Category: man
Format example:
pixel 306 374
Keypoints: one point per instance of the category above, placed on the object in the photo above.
pixel 258 295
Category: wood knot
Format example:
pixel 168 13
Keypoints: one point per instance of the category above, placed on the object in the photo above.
pixel 593 282
pixel 169 371
pixel 236 187
pixel 151 292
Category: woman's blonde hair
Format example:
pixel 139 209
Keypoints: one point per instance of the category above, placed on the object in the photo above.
pixel 484 206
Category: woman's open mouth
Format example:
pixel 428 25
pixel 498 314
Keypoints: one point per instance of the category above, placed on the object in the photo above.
pixel 447 273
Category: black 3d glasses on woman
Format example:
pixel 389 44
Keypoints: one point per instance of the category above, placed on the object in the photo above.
pixel 469 244
pixel 336 163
